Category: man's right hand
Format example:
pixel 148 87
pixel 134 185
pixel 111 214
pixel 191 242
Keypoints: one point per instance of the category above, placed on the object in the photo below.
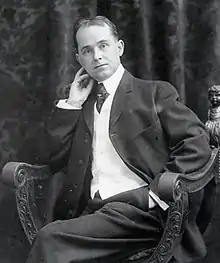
pixel 80 89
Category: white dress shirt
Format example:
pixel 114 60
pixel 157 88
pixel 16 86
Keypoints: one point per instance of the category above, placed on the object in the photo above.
pixel 110 174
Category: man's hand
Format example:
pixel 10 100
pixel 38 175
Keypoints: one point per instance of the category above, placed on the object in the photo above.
pixel 80 89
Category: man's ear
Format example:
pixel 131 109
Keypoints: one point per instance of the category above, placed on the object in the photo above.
pixel 121 47
pixel 78 59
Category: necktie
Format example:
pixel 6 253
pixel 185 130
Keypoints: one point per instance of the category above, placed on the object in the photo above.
pixel 102 95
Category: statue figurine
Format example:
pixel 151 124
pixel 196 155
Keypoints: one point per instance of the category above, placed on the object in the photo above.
pixel 213 122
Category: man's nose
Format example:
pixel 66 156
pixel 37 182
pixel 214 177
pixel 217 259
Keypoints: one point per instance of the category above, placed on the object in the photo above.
pixel 97 54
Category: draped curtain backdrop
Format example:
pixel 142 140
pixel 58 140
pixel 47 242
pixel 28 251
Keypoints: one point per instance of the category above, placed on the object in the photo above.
pixel 173 40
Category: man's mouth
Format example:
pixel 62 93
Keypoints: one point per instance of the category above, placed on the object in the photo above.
pixel 99 66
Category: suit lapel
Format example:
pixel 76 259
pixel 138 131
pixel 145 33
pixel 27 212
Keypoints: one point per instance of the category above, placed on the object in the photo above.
pixel 88 112
pixel 123 90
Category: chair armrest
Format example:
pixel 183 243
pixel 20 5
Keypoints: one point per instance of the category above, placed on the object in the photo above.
pixel 15 174
pixel 31 184
pixel 172 185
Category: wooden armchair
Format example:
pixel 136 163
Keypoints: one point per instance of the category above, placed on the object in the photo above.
pixel 31 183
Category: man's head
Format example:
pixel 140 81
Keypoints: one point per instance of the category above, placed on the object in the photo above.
pixel 98 48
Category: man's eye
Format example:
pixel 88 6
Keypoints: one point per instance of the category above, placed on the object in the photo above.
pixel 86 51
pixel 104 45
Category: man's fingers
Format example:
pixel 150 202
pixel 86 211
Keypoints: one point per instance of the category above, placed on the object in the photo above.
pixel 90 84
pixel 82 77
pixel 79 72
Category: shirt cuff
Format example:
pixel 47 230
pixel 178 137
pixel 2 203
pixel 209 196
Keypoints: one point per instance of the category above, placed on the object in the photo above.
pixel 62 104
pixel 157 199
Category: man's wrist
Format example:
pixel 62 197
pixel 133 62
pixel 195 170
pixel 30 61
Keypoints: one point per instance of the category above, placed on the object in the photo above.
pixel 75 103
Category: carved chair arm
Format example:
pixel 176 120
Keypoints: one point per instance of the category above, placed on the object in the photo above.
pixel 15 174
pixel 31 186
pixel 173 185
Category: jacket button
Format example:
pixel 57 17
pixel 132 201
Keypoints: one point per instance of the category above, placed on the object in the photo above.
pixel 80 162
pixel 86 137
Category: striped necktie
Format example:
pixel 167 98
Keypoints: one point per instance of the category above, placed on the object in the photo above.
pixel 102 95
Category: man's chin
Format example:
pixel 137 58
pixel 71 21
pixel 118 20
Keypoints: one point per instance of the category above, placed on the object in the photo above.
pixel 101 76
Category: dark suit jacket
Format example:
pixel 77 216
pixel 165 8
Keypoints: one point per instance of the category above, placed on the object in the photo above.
pixel 150 129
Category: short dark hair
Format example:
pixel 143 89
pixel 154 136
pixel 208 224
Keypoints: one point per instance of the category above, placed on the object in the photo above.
pixel 93 21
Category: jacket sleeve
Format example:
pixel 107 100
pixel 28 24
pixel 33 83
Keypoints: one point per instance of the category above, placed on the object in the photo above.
pixel 187 137
pixel 60 129
pixel 55 139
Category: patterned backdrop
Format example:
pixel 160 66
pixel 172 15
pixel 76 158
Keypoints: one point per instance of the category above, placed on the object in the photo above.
pixel 174 40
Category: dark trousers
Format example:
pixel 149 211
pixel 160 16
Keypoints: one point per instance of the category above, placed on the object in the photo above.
pixel 107 231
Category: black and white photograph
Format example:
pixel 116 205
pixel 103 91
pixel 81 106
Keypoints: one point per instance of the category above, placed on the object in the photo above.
pixel 109 131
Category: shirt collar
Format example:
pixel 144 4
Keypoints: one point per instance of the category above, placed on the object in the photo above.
pixel 112 83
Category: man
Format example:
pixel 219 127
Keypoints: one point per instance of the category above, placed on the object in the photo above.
pixel 113 156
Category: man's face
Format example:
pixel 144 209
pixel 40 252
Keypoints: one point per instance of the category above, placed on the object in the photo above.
pixel 98 51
